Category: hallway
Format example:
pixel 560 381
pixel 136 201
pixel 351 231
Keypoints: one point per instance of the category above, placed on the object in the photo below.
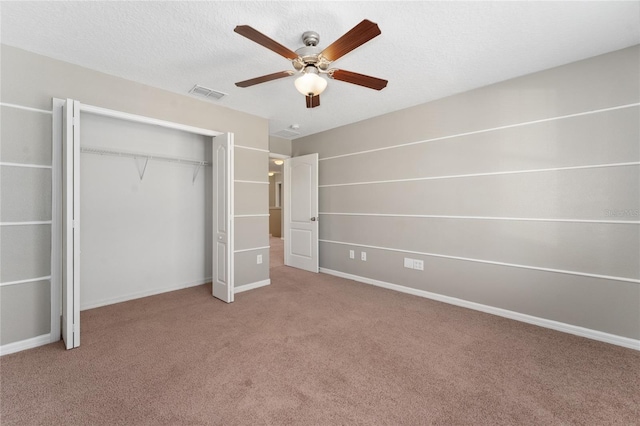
pixel 276 252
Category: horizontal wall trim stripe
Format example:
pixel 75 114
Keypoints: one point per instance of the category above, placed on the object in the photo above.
pixel 23 345
pixel 530 319
pixel 253 215
pixel 251 286
pixel 146 293
pixel 40 222
pixel 252 249
pixel 251 148
pixel 25 108
pixel 252 181
pixel 492 129
pixel 491 262
pixel 524 219
pixel 33 166
pixel 29 280
pixel 508 172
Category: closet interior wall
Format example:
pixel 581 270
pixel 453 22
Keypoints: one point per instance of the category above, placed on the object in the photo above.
pixel 145 224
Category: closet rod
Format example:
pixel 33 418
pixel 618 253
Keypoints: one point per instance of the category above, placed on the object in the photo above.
pixel 130 154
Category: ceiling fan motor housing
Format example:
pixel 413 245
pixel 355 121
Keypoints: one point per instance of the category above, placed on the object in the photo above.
pixel 309 55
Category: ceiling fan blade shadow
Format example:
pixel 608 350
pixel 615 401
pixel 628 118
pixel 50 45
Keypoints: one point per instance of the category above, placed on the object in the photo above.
pixel 264 78
pixel 312 101
pixel 359 79
pixel 355 37
pixel 256 36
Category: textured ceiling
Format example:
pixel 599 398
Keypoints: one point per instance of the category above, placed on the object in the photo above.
pixel 427 50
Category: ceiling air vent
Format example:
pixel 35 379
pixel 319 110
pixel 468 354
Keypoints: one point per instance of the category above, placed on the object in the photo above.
pixel 286 133
pixel 207 93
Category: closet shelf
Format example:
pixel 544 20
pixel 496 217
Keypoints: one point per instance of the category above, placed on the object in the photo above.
pixel 146 157
pixel 142 155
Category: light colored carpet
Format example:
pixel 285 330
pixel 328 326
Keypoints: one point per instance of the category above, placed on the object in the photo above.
pixel 313 349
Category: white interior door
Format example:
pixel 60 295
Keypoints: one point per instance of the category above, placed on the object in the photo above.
pixel 71 225
pixel 222 264
pixel 301 212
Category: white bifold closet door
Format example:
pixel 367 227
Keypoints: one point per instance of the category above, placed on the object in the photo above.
pixel 222 286
pixel 71 224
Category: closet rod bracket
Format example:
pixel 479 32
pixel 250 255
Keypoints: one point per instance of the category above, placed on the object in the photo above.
pixel 196 170
pixel 144 167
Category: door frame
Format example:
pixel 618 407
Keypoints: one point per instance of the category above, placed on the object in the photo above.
pixel 276 156
pixel 58 170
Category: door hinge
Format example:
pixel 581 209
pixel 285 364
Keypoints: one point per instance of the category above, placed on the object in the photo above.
pixel 76 328
pixel 76 121
pixel 74 224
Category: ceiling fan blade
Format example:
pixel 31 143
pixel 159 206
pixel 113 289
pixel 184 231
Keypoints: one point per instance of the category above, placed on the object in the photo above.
pixel 258 37
pixel 313 101
pixel 355 37
pixel 359 79
pixel 264 78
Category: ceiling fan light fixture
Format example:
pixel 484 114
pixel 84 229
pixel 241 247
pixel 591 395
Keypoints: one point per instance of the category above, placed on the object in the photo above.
pixel 310 83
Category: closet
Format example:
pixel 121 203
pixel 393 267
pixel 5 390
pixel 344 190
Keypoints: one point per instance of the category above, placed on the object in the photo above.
pixel 147 208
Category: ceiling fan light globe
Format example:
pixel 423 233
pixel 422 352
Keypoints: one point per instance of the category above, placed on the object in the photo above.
pixel 310 84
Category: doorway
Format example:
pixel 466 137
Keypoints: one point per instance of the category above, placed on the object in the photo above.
pixel 276 203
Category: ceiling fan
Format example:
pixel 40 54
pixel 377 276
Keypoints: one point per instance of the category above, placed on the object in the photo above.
pixel 310 62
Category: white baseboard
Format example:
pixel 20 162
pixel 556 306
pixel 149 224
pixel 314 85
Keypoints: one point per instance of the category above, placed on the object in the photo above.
pixel 542 322
pixel 138 295
pixel 251 286
pixel 22 345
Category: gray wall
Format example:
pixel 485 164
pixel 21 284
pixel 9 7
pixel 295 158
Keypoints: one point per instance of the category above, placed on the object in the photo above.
pixel 32 80
pixel 460 183
pixel 279 145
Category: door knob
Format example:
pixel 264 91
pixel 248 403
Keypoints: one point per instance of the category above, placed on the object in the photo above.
pixel 313 219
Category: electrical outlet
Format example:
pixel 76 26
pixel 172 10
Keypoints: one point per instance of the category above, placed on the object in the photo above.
pixel 352 254
pixel 418 264
pixel 259 259
pixel 408 263
pixel 363 256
